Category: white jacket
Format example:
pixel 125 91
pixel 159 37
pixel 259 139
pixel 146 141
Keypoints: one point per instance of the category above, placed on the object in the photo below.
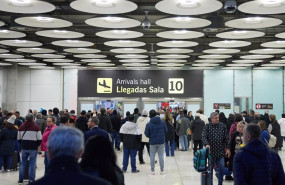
pixel 204 118
pixel 282 126
pixel 141 122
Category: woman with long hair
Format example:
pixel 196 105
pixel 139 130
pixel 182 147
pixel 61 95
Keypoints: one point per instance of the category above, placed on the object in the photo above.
pixel 170 135
pixel 99 159
pixel 238 118
pixel 264 137
pixel 274 129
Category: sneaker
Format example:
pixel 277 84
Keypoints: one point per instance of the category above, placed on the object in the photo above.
pixel 162 172
pixel 137 171
pixel 142 162
pixel 40 153
pixel 152 173
pixel 229 178
pixel 20 182
pixel 124 170
pixel 8 170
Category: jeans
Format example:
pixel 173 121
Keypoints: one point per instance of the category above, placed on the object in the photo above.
pixel 196 143
pixel 183 142
pixel 172 147
pixel 9 161
pixel 32 155
pixel 116 140
pixel 46 161
pixel 160 151
pixel 220 162
pixel 132 153
pixel 141 150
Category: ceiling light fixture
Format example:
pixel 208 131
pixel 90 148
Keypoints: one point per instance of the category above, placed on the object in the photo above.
pixel 44 19
pixel 239 32
pixel 103 3
pixel 188 3
pixel 21 2
pixel 271 3
pixel 230 6
pixel 177 42
pixel 120 32
pixel 113 19
pixel 4 31
pixel 179 32
pixel 183 19
pixel 61 32
pixel 72 41
pixel 253 20
pixel 146 22
pixel 20 41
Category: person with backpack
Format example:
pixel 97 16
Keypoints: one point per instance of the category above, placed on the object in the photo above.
pixel 197 127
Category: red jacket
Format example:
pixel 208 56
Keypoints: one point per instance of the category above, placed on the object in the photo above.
pixel 233 129
pixel 45 137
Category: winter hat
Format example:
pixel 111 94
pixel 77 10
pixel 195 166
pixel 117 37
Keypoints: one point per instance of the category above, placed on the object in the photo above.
pixel 12 119
pixel 144 112
pixel 197 115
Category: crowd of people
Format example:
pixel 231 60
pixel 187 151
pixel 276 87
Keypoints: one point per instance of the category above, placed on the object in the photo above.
pixel 239 145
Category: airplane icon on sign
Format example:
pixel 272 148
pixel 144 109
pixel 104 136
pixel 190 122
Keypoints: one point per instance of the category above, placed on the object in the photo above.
pixel 104 84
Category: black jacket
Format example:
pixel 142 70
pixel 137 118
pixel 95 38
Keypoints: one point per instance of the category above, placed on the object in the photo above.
pixel 105 123
pixel 65 170
pixel 170 134
pixel 7 141
pixel 131 135
pixel 116 123
pixel 277 133
pixel 81 124
pixel 197 127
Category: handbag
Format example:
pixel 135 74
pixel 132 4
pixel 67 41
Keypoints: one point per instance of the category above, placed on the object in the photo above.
pixel 272 141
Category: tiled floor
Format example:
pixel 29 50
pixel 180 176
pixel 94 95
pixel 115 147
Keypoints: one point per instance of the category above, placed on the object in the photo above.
pixel 179 170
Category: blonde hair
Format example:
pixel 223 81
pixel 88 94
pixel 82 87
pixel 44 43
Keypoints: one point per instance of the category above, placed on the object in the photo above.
pixel 241 124
pixel 167 116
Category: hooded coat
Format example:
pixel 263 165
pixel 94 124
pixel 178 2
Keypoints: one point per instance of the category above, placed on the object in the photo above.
pixel 7 141
pixel 155 130
pixel 141 122
pixel 131 135
pixel 256 164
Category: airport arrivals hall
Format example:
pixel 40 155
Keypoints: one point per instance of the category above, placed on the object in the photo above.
pixel 140 92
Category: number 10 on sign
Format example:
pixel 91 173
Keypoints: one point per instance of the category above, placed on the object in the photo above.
pixel 176 85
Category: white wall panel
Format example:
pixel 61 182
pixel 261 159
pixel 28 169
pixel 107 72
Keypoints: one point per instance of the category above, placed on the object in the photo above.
pixel 45 93
pixel 70 82
pixel 45 77
pixel 23 107
pixel 44 104
pixel 23 92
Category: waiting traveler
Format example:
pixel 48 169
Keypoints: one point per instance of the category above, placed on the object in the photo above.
pixel 182 126
pixel 93 123
pixel 56 115
pixel 136 114
pixel 65 147
pixel 170 135
pixel 197 127
pixel 238 119
pixel 264 137
pixel 282 126
pixel 274 129
pixel 116 125
pixel 81 122
pixel 255 163
pixel 105 121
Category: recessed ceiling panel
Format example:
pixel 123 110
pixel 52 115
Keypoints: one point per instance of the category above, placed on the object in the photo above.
pixel 62 34
pixel 133 60
pixel 104 6
pixel 35 50
pixel 8 55
pixel 113 22
pixel 180 34
pixel 124 43
pixel 210 61
pixel 20 43
pixel 20 60
pixel 267 51
pixel 8 34
pixel 175 50
pixel 280 35
pixel 82 50
pixel 229 44
pixel 183 22
pixel 48 56
pixel 256 56
pixel 26 6
pixel 263 7
pixel 72 43
pixel 188 7
pixel 274 44
pixel 119 34
pixel 221 51
pixel 90 56
pixel 58 60
pixel 131 56
pixel 177 43
pixel 96 60
pixel 253 22
pixel 215 56
pixel 240 34
pixel 43 22
pixel 173 56
pixel 172 61
pixel 128 50
pixel 247 61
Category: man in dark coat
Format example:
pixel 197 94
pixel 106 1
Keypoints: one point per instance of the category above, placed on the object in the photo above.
pixel 256 163
pixel 105 121
pixel 93 123
pixel 81 122
pixel 65 147
pixel 116 125
pixel 197 127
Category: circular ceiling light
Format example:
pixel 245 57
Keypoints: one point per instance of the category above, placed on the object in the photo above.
pixel 175 50
pixel 173 56
pixel 20 60
pixel 35 50
pixel 90 56
pixel 66 64
pixel 240 65
pixel 202 68
pixel 233 68
pixel 266 68
pixel 20 43
pixel 170 65
pixel 221 51
pixel 113 22
pixel 209 61
pixel 32 64
pixel 135 64
pixel 274 44
pixel 63 34
pixel 171 61
pixel 229 43
pixel 273 65
pixel 205 65
pixel 131 56
pixel 48 56
pixel 4 51
pixel 247 61
pixel 180 34
pixel 101 64
pixel 72 43
pixel 253 22
pixel 263 7
pixel 42 67
pixel 8 55
pixel 124 43
pixel 8 34
pixel 73 67
pixel 43 22
pixel 240 34
pixel 133 60
pixel 188 7
pixel 280 35
pixel 128 50
pixel 5 64
pixel 81 50
pixel 96 60
pixel 277 61
pixel 256 56
pixel 119 34
pixel 104 6
pixel 267 51
pixel 177 43
pixel 183 22
pixel 215 56
pixel 60 60
pixel 26 6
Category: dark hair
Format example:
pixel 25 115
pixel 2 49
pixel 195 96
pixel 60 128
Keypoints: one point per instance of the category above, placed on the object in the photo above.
pixel 231 118
pixel 201 111
pixel 83 112
pixel 50 110
pixel 222 117
pixel 131 117
pixel 152 113
pixel 217 111
pixel 100 156
pixel 185 112
pixel 238 118
pixel 253 130
pixel 64 118
pixel 103 111
pixel 66 110
pixel 44 112
pixel 251 112
pixel 10 126
pixel 30 111
pixel 17 112
pixel 53 119
pixel 283 115
pixel 72 112
pixel 5 112
pixel 128 113
pixel 9 114
pixel 262 124
pixel 55 111
pixel 30 117
pixel 136 111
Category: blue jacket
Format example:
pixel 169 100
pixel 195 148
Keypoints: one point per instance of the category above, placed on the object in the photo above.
pixel 256 164
pixel 264 136
pixel 155 130
pixel 7 141
pixel 95 131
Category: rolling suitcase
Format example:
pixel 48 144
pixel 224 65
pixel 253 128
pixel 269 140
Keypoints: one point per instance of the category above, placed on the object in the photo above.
pixel 14 164
pixel 206 175
pixel 202 163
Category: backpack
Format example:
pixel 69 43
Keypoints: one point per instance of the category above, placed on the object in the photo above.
pixel 200 159
pixel 272 141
